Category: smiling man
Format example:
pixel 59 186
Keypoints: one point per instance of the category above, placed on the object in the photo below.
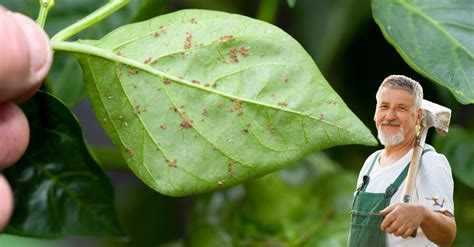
pixel 378 217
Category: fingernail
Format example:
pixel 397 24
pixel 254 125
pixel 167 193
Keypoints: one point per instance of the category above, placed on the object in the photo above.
pixel 38 42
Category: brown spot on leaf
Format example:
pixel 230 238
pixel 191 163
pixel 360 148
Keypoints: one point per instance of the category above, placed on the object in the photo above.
pixel 186 122
pixel 274 95
pixel 167 81
pixel 205 111
pixel 229 169
pixel 193 21
pixel 245 130
pixel 282 104
pixel 285 79
pixel 321 116
pixel 188 43
pixel 137 111
pixel 233 55
pixel 271 128
pixel 244 51
pixel 147 60
pixel 131 72
pixel 196 82
pixel 206 85
pixel 332 102
pixel 163 126
pixel 237 106
pixel 227 38
pixel 171 163
pixel 129 151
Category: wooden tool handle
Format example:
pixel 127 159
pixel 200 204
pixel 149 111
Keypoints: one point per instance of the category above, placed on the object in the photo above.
pixel 413 170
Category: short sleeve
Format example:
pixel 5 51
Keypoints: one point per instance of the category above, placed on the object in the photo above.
pixel 435 183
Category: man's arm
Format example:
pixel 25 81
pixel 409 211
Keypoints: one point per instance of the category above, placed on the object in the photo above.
pixel 402 219
pixel 439 227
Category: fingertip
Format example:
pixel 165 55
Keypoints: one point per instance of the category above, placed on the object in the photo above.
pixel 41 55
pixel 6 205
pixel 26 55
pixel 14 132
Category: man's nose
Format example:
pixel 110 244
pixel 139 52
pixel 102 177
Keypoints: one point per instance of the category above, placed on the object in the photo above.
pixel 391 114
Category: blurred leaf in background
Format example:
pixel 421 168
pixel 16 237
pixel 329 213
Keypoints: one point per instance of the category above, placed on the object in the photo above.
pixel 418 28
pixel 325 27
pixel 458 147
pixel 296 206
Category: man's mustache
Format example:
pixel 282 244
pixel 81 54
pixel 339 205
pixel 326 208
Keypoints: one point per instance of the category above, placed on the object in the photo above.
pixel 391 122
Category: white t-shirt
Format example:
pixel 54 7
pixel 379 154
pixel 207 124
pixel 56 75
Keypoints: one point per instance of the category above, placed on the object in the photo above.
pixel 433 188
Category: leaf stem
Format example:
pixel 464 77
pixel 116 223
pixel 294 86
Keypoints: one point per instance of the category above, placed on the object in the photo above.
pixel 93 18
pixel 45 7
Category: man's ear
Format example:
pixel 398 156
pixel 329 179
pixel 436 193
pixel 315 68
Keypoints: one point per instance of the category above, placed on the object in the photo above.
pixel 419 115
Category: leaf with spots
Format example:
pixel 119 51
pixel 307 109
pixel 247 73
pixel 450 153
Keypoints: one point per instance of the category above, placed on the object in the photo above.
pixel 199 100
pixel 59 189
pixel 436 38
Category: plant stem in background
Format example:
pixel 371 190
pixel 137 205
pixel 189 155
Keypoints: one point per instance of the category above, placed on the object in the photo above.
pixel 93 18
pixel 45 7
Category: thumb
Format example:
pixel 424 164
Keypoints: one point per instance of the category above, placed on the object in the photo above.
pixel 26 55
pixel 387 210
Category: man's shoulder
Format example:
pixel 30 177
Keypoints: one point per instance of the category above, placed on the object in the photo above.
pixel 432 156
pixel 373 156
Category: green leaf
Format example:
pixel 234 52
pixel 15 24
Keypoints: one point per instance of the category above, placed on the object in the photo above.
pixel 59 189
pixel 435 38
pixel 197 100
pixel 458 146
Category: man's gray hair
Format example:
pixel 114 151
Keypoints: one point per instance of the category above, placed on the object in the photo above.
pixel 405 83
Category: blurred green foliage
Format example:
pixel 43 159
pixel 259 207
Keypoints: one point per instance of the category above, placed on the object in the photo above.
pixel 307 204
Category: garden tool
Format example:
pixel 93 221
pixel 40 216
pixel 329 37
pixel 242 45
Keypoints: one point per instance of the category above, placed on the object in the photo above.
pixel 434 115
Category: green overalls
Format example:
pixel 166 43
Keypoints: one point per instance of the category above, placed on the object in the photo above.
pixel 366 220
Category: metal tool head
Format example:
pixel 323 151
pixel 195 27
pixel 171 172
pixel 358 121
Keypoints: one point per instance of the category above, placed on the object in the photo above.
pixel 436 116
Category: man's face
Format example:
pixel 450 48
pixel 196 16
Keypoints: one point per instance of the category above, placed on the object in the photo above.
pixel 396 116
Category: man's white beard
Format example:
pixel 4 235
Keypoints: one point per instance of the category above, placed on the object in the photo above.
pixel 391 140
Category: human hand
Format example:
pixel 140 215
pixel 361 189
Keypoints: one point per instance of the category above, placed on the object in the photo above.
pixel 402 219
pixel 25 58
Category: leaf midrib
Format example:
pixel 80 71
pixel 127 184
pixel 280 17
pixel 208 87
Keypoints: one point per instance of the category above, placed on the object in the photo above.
pixel 72 195
pixel 99 52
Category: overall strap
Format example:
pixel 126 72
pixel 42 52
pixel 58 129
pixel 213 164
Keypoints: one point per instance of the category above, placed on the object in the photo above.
pixel 392 188
pixel 366 178
pixel 373 162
